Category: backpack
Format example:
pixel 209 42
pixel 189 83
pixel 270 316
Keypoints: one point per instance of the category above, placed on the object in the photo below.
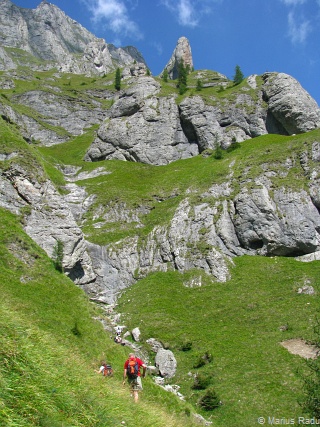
pixel 133 368
pixel 107 370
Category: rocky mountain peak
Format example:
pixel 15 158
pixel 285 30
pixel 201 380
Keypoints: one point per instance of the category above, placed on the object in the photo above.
pixel 50 35
pixel 182 52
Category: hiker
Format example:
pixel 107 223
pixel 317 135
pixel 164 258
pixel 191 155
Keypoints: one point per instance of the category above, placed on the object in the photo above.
pixel 105 369
pixel 132 371
pixel 118 339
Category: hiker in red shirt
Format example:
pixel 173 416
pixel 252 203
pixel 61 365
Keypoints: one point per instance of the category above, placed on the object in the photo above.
pixel 132 371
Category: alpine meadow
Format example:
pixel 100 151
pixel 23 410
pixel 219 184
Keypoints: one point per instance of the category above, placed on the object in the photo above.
pixel 182 210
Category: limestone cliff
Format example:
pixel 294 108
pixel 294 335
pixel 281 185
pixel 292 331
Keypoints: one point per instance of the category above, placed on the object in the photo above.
pixel 267 207
pixel 272 103
pixel 50 35
pixel 182 52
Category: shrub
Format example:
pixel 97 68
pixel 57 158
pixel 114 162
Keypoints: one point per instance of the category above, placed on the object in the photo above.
pixel 186 346
pixel 165 75
pixel 199 85
pixel 58 256
pixel 201 381
pixel 218 153
pixel 203 360
pixel 210 400
pixel 234 146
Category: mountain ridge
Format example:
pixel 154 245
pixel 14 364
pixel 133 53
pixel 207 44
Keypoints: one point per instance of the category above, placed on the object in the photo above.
pixel 203 206
pixel 50 35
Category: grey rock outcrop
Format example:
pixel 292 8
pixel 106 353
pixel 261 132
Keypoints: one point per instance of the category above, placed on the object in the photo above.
pixel 48 220
pixel 166 363
pixel 258 220
pixel 182 52
pixel 47 33
pixel 286 225
pixel 142 127
pixel 289 104
pixel 50 113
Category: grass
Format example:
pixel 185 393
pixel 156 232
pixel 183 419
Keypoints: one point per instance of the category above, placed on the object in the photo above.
pixel 238 324
pixel 47 370
pixel 160 189
pixel 47 321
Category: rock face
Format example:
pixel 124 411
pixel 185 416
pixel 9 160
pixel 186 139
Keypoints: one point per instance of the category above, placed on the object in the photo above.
pixel 182 52
pixel 289 104
pixel 48 221
pixel 256 220
pixel 242 215
pixel 135 121
pixel 142 127
pixel 47 33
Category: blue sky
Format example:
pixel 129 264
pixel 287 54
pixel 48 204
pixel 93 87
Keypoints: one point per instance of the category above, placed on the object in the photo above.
pixel 257 35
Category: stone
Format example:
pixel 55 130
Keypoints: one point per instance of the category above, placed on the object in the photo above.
pixel 182 52
pixel 289 104
pixel 306 290
pixel 166 363
pixel 136 334
pixel 135 122
pixel 154 344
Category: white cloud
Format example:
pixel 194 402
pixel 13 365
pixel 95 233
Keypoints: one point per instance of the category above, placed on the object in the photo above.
pixel 184 10
pixel 293 2
pixel 298 31
pixel 115 16
pixel 158 48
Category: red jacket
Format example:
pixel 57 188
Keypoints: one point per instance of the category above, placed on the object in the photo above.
pixel 140 363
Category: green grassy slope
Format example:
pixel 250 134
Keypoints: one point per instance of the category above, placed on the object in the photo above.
pixel 49 342
pixel 238 323
pixel 50 346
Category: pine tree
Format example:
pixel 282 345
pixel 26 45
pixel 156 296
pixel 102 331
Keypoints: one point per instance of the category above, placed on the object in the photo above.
pixel 182 78
pixel 165 75
pixel 58 256
pixel 199 85
pixel 238 76
pixel 117 80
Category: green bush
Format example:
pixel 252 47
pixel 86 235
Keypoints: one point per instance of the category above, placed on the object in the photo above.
pixel 203 360
pixel 186 346
pixel 234 146
pixel 58 256
pixel 210 400
pixel 201 381
pixel 218 153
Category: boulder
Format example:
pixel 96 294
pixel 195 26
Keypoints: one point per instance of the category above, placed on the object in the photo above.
pixel 289 104
pixel 166 363
pixel 154 344
pixel 136 334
